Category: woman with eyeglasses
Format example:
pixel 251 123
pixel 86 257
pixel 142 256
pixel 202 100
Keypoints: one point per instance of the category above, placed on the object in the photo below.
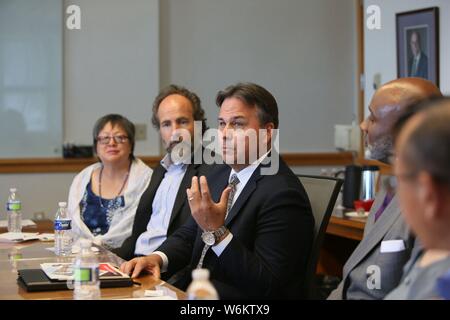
pixel 103 198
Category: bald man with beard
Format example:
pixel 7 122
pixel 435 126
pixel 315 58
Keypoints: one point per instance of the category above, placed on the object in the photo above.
pixel 376 265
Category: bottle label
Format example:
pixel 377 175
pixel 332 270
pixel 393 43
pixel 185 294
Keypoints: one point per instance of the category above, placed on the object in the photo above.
pixel 202 294
pixel 13 206
pixel 13 256
pixel 85 274
pixel 62 225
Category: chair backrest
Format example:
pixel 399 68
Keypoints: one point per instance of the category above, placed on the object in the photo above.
pixel 322 193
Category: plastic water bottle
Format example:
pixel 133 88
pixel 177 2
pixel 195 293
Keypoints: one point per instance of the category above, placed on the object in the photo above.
pixel 201 288
pixel 14 255
pixel 85 274
pixel 13 207
pixel 63 231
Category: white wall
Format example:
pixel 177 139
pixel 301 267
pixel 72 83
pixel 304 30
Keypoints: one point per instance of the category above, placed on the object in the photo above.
pixel 304 52
pixel 31 98
pixel 111 65
pixel 38 192
pixel 380 45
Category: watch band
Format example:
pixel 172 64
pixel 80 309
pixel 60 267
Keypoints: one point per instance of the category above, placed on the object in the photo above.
pixel 217 235
pixel 202 257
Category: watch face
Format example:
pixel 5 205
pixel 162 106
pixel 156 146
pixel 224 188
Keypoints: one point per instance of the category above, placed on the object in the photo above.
pixel 208 238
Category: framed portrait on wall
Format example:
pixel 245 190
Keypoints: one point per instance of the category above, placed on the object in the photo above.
pixel 418 44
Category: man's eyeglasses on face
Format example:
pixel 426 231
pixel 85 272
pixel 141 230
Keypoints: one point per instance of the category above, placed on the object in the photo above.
pixel 107 139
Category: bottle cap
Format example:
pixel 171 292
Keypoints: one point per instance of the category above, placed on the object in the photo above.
pixel 62 204
pixel 85 243
pixel 200 274
pixel 12 189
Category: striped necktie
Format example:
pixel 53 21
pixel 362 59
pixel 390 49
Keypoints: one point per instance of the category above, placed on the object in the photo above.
pixel 234 181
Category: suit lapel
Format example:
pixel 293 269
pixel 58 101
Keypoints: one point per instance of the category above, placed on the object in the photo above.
pixel 191 171
pixel 370 222
pixel 376 234
pixel 220 183
pixel 246 192
pixel 244 195
pixel 157 176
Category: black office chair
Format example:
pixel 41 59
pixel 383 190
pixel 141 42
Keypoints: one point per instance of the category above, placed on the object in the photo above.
pixel 322 193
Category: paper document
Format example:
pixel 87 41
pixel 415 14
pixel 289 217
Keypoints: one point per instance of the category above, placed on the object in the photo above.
pixel 13 237
pixel 75 249
pixel 64 271
pixel 47 236
pixel 25 223
pixel 160 293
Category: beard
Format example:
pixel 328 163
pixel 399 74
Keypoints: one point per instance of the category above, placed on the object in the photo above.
pixel 381 150
pixel 179 150
pixel 172 144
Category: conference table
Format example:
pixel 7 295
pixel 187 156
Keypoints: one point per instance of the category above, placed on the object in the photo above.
pixel 342 236
pixel 30 254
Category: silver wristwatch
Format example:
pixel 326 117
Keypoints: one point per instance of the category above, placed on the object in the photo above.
pixel 211 237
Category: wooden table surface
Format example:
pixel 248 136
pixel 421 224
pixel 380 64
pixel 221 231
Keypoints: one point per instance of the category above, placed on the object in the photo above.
pixel 342 236
pixel 31 254
pixel 350 228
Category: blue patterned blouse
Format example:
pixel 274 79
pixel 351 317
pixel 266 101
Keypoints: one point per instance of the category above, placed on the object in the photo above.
pixel 96 217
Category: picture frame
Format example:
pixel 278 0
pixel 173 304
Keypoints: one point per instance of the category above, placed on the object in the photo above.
pixel 418 44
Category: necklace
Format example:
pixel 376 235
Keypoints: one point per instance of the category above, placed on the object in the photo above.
pixel 100 185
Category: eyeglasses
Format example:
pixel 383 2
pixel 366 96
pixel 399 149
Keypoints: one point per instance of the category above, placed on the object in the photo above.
pixel 107 139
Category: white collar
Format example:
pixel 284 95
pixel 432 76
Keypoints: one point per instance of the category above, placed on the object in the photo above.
pixel 245 174
pixel 166 162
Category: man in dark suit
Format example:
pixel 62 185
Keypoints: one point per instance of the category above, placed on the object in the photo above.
pixel 419 61
pixel 253 235
pixel 163 207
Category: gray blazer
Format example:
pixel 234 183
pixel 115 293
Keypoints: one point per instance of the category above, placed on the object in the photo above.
pixel 370 273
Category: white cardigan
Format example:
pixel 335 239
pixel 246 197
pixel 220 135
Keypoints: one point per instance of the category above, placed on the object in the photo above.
pixel 122 221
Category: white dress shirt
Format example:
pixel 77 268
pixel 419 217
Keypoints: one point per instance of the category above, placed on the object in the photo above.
pixel 162 207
